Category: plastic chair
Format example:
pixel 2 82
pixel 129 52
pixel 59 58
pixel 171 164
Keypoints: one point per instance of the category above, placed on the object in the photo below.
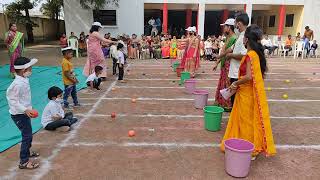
pixel 299 48
pixel 73 43
pixel 283 50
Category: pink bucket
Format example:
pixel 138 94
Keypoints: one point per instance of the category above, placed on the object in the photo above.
pixel 200 98
pixel 238 157
pixel 190 85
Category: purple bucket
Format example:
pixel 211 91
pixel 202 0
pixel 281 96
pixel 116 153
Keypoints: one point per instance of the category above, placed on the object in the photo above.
pixel 190 85
pixel 238 157
pixel 200 98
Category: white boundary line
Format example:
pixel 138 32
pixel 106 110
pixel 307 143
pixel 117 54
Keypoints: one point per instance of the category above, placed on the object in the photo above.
pixel 178 145
pixel 189 116
pixel 45 166
pixel 191 99
pixel 209 87
pixel 176 79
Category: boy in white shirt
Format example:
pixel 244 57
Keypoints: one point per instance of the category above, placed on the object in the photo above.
pixel 53 116
pixel 114 56
pixel 120 62
pixel 20 108
pixel 93 81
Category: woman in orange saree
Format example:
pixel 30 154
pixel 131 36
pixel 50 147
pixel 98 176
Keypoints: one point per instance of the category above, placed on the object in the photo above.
pixel 250 118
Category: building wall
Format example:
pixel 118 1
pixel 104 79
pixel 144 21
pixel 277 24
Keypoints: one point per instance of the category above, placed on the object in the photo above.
pixel 262 19
pixel 46 31
pixel 130 15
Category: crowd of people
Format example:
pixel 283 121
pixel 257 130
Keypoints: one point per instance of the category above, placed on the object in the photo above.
pixel 240 53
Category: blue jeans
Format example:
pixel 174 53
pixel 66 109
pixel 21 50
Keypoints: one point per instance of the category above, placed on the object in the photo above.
pixel 23 122
pixel 70 89
pixel 307 45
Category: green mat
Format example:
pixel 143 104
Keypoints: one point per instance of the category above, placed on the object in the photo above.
pixel 41 80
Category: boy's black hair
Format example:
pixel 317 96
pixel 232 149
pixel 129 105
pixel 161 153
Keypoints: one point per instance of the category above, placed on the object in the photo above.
pixel 114 39
pixel 66 51
pixel 54 91
pixel 243 18
pixel 98 68
pixel 120 46
pixel 21 61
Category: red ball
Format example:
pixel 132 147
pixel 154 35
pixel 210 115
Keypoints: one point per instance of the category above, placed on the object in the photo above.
pixel 34 113
pixel 113 115
pixel 131 133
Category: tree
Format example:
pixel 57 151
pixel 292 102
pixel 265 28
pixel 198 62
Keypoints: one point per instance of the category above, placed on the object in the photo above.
pixel 52 9
pixel 19 12
pixel 96 4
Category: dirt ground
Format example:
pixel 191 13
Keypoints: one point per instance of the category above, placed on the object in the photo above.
pixel 170 141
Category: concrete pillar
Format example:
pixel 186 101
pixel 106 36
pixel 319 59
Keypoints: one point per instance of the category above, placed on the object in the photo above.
pixel 165 17
pixel 201 18
pixel 282 15
pixel 188 17
pixel 248 9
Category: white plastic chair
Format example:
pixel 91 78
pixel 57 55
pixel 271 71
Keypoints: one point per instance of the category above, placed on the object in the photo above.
pixel 283 50
pixel 73 43
pixel 299 48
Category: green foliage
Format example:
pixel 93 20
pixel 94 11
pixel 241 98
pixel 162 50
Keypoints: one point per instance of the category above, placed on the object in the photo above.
pixel 52 8
pixel 97 4
pixel 18 11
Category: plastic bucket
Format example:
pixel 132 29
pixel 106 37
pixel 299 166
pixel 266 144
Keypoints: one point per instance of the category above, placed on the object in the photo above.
pixel 238 157
pixel 200 98
pixel 173 61
pixel 184 76
pixel 175 65
pixel 212 117
pixel 190 85
pixel 179 70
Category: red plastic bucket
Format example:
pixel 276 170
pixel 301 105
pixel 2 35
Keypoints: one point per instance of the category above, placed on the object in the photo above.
pixel 179 70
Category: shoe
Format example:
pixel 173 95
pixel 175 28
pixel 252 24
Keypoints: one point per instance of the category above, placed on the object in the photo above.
pixel 98 88
pixel 77 105
pixel 63 129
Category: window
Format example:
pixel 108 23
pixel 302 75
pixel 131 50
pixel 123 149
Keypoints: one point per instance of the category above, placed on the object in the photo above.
pixel 289 20
pixel 105 17
pixel 272 21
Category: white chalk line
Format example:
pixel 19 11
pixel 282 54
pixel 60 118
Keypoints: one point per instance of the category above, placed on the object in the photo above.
pixel 46 163
pixel 177 145
pixel 191 99
pixel 176 116
pixel 208 87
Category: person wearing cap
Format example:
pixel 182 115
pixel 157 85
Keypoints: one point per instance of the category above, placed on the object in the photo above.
pixel 20 108
pixel 191 60
pixel 224 82
pixel 94 51
pixel 69 78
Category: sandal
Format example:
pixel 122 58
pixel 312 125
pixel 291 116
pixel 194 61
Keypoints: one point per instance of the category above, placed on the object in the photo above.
pixel 34 154
pixel 29 165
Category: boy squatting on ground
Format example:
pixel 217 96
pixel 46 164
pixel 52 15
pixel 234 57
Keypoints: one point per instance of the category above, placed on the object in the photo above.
pixel 20 108
pixel 93 81
pixel 53 116
pixel 69 79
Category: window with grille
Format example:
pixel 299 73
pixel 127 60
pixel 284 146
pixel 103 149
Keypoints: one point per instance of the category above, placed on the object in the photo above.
pixel 289 20
pixel 105 17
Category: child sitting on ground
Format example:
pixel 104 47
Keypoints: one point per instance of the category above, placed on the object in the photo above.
pixel 53 117
pixel 20 108
pixel 120 62
pixel 93 81
pixel 313 49
pixel 69 78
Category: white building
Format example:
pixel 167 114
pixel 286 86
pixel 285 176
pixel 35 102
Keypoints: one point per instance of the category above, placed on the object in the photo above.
pixel 132 15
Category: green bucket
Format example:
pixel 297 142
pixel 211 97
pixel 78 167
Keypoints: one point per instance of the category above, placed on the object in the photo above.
pixel 175 65
pixel 212 117
pixel 184 76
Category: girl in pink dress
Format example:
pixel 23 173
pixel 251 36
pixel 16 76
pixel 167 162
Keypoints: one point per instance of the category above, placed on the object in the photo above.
pixel 95 54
